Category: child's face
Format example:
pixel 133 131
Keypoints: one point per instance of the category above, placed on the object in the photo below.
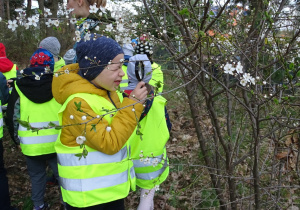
pixel 78 8
pixel 111 77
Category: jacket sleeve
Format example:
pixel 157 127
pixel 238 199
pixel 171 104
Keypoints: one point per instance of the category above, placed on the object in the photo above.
pixel 108 139
pixel 13 114
pixel 4 91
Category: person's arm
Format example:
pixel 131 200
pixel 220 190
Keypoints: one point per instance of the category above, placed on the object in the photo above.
pixel 4 90
pixel 13 114
pixel 108 139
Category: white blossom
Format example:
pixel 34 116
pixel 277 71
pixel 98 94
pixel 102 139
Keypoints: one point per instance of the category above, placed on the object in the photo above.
pixel 228 69
pixel 156 187
pixel 147 160
pixel 108 128
pixel 109 27
pixel 243 82
pixel 264 82
pixel 47 12
pixel 154 162
pixel 239 68
pixel 55 22
pixel 127 40
pixel 71 117
pixel 97 28
pixel 32 21
pixel 12 25
pixel 85 25
pixel 73 20
pixel 87 37
pixel 83 117
pixel 37 77
pixel 80 140
pixel 93 8
pixel 48 23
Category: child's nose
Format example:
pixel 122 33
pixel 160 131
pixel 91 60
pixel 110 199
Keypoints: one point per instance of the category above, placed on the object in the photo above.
pixel 122 74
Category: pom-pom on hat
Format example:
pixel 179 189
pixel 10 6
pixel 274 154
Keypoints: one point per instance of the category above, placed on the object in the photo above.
pixel 2 50
pixel 51 44
pixel 42 58
pixel 94 55
pixel 69 56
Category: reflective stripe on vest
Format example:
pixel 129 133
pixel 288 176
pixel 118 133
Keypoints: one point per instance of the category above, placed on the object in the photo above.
pixel 38 115
pixel 155 135
pixel 157 75
pixel 124 83
pixel 98 178
pixel 1 122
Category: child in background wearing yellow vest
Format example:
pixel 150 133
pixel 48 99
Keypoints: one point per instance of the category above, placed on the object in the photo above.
pixel 87 90
pixel 53 46
pixel 148 151
pixel 32 100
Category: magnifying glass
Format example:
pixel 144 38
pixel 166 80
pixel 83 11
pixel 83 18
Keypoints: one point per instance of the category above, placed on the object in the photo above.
pixel 139 70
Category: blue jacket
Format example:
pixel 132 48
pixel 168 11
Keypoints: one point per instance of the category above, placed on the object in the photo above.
pixel 4 91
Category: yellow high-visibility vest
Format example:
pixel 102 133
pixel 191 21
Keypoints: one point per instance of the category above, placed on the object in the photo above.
pixel 98 178
pixel 38 115
pixel 157 75
pixel 153 168
pixel 124 83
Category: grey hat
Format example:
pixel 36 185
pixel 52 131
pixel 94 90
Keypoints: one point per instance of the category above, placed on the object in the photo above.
pixel 69 56
pixel 51 44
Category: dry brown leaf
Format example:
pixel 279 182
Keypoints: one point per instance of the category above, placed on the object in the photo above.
pixel 282 155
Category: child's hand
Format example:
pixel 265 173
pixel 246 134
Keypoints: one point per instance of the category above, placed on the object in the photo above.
pixel 139 93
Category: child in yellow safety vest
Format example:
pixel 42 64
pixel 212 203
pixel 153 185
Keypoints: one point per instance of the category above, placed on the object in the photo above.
pixel 92 148
pixel 32 101
pixel 147 143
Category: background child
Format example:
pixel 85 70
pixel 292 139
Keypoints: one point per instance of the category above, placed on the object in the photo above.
pixel 148 151
pixel 87 89
pixel 53 46
pixel 32 101
pixel 69 56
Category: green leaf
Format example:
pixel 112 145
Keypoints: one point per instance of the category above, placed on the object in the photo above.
pixel 93 127
pixel 58 127
pixel 85 152
pixel 79 155
pixel 276 101
pixel 24 124
pixel 184 11
pixel 51 124
pixel 78 106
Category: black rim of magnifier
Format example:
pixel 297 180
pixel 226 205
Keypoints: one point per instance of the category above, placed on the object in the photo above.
pixel 139 67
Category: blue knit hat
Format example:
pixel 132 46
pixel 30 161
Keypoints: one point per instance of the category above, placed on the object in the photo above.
pixel 94 55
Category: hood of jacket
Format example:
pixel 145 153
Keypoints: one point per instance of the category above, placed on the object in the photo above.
pixel 37 91
pixel 66 84
pixel 5 64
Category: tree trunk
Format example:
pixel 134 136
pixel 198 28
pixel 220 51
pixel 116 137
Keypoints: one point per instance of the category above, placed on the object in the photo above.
pixel 7 9
pixel 28 9
pixel 2 13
